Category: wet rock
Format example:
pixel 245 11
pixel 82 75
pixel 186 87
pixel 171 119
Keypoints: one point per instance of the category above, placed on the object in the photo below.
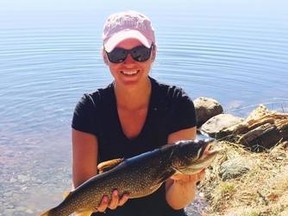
pixel 29 211
pixel 13 180
pixel 215 126
pixel 197 207
pixel 20 209
pixel 23 178
pixel 233 168
pixel 9 212
pixel 206 108
pixel 7 194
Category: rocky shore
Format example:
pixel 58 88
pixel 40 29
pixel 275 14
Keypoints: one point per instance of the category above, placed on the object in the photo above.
pixel 250 176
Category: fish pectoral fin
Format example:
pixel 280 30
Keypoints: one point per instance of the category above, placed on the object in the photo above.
pixel 166 175
pixel 108 165
pixel 155 187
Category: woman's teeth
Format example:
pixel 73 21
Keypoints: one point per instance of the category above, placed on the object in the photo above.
pixel 129 73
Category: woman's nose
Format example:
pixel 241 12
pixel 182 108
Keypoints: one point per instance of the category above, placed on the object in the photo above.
pixel 129 59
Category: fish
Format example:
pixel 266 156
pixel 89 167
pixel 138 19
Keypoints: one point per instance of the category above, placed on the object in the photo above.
pixel 137 176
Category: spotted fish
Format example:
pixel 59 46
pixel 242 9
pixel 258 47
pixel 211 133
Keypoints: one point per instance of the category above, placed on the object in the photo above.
pixel 137 176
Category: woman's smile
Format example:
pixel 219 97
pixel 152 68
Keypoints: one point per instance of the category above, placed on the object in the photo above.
pixel 130 73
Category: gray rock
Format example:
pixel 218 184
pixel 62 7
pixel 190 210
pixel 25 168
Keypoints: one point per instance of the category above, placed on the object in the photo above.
pixel 29 211
pixel 206 108
pixel 23 178
pixel 233 168
pixel 13 180
pixel 218 123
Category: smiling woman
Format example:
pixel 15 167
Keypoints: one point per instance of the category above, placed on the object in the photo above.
pixel 49 56
pixel 121 121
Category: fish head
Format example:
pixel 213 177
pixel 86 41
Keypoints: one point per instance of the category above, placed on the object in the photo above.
pixel 193 156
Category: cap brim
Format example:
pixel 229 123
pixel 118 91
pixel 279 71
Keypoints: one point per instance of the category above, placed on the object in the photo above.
pixel 113 41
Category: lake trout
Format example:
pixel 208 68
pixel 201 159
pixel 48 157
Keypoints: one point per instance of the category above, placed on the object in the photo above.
pixel 137 176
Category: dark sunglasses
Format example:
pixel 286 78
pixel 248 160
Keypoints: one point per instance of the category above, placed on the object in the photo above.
pixel 139 53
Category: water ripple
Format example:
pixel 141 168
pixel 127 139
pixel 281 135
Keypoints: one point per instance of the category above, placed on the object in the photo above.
pixel 239 60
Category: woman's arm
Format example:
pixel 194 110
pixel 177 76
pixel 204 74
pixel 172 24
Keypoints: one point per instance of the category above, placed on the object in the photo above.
pixel 84 158
pixel 181 189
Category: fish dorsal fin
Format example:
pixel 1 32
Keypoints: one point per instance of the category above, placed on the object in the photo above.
pixel 108 165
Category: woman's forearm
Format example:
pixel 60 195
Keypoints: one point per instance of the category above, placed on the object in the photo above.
pixel 180 193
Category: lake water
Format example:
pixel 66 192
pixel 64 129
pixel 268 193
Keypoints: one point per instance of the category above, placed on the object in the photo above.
pixel 234 52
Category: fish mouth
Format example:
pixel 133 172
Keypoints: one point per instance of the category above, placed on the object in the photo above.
pixel 199 164
pixel 204 158
pixel 130 73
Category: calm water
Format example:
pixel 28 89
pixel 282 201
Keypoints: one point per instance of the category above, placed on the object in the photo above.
pixel 234 52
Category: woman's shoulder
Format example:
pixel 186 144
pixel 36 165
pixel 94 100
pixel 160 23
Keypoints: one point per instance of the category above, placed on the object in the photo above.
pixel 167 90
pixel 98 95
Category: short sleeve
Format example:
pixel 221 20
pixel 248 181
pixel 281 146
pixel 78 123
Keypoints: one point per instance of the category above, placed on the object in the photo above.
pixel 182 113
pixel 84 117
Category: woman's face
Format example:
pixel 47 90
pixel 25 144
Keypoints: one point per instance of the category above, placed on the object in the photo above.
pixel 130 71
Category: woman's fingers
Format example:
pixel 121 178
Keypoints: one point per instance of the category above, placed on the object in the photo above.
pixel 113 203
pixel 123 199
pixel 103 205
pixel 114 200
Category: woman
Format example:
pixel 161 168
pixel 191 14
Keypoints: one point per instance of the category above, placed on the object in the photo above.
pixel 132 115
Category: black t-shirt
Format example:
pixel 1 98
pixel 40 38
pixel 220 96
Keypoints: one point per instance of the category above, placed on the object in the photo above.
pixel 170 109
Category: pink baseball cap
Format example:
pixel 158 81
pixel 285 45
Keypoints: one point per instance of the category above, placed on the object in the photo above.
pixel 124 25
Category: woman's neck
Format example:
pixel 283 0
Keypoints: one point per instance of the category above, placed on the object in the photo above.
pixel 133 97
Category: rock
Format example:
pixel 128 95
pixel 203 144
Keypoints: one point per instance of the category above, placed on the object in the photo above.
pixel 13 180
pixel 215 125
pixel 261 130
pixel 206 108
pixel 231 133
pixel 23 178
pixel 282 126
pixel 29 211
pixel 233 168
pixel 258 113
pixel 261 138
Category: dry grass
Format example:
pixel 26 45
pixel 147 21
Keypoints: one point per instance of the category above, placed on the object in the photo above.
pixel 262 191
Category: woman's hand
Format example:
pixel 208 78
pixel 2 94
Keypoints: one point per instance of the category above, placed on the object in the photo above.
pixel 181 189
pixel 115 201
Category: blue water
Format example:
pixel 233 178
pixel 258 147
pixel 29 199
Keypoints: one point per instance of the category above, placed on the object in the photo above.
pixel 234 52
